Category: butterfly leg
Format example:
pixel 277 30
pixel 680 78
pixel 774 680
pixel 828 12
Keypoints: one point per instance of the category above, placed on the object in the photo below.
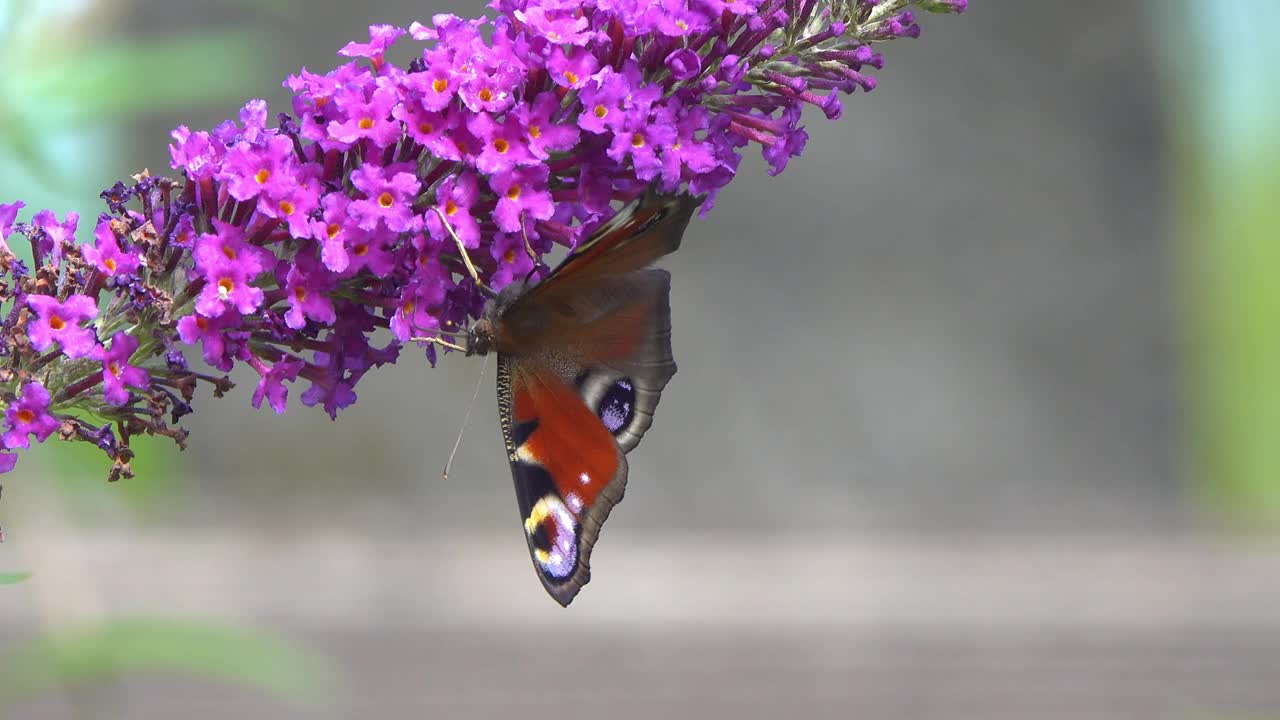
pixel 466 259
pixel 439 341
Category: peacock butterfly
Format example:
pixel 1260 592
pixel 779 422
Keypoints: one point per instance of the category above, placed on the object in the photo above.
pixel 583 357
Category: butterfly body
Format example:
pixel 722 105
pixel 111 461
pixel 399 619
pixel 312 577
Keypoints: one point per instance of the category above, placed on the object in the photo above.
pixel 583 357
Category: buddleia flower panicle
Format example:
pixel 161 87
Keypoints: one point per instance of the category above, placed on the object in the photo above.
pixel 315 248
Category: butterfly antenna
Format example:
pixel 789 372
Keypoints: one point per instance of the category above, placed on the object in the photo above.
pixel 466 259
pixel 465 419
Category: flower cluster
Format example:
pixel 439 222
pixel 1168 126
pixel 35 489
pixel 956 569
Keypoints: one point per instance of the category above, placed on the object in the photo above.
pixel 289 247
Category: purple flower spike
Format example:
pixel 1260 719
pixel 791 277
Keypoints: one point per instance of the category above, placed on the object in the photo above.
pixel 513 260
pixel 413 316
pixel 389 193
pixel 293 207
pixel 210 333
pixel 307 289
pixel 251 171
pixel 287 241
pixel 229 264
pixel 106 254
pixel 502 144
pixel 271 386
pixel 542 131
pixel 572 68
pixel 56 234
pixel 8 214
pixel 521 191
pixel 60 323
pixel 684 64
pixel 381 38
pixel 602 102
pixel 564 29
pixel 640 139
pixel 366 119
pixel 117 373
pixel 29 415
pixel 456 196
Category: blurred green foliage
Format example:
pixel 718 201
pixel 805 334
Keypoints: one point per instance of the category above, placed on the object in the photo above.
pixel 63 119
pixel 81 79
pixel 1226 131
pixel 71 657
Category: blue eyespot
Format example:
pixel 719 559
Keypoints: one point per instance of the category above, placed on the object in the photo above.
pixel 618 405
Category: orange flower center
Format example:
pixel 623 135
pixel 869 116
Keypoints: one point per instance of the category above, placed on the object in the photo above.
pixel 225 286
pixel 56 322
pixel 386 200
pixel 229 251
pixel 26 416
pixel 571 76
pixel 535 132
pixel 360 250
pixel 366 123
pixel 425 127
pixel 286 207
pixel 513 192
pixel 110 263
pixel 637 140
pixel 332 230
pixel 509 256
pixel 300 293
pixel 202 323
pixel 439 85
pixel 409 307
pixel 502 146
pixel 450 208
pixel 485 94
pixel 600 111
pixel 114 368
pixel 263 176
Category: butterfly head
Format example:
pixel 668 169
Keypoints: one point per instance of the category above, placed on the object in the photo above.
pixel 480 336
pixel 483 334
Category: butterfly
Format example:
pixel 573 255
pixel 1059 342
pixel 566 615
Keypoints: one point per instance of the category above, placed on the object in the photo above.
pixel 583 357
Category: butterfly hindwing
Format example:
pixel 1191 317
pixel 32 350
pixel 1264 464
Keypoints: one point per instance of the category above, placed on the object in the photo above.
pixel 628 358
pixel 568 471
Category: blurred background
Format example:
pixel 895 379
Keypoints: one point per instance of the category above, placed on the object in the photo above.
pixel 975 417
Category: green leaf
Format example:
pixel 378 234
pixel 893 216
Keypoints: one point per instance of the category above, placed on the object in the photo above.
pixel 13 578
pixel 165 647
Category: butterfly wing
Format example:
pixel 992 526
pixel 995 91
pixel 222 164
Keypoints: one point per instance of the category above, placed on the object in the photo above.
pixel 595 355
pixel 568 471
pixel 633 239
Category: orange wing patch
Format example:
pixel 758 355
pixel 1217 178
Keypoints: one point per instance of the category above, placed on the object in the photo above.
pixel 569 442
